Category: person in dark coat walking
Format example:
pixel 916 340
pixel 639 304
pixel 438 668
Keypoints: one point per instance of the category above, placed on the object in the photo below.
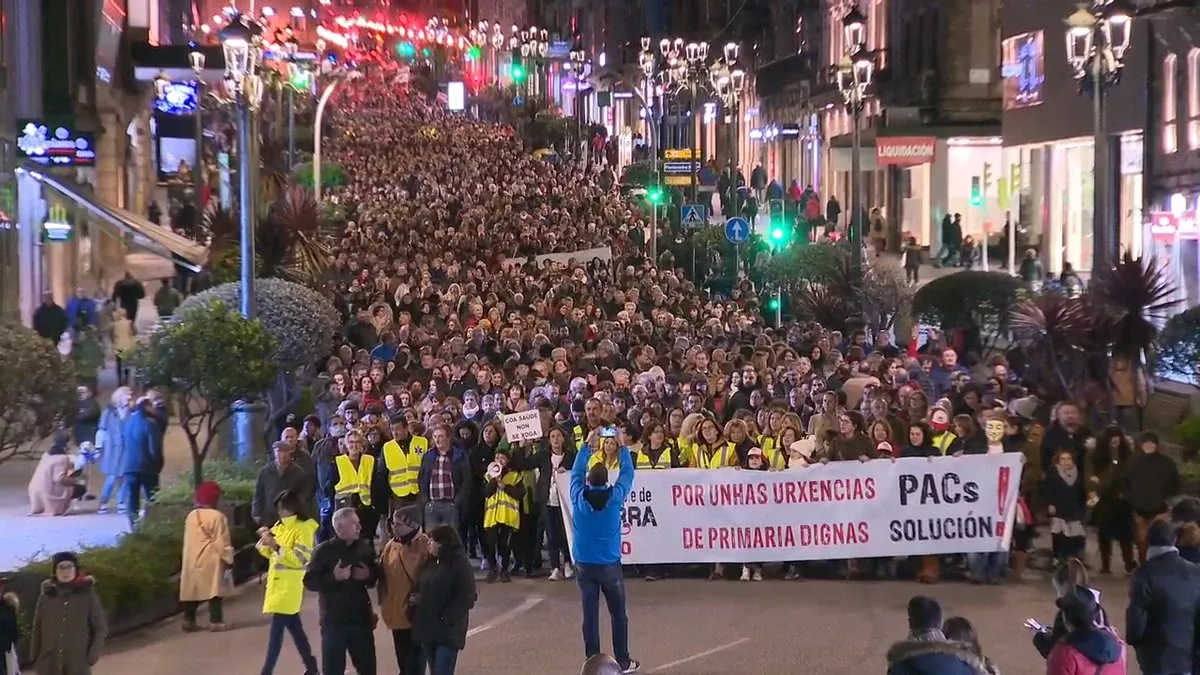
pixel 442 601
pixel 1066 501
pixel 127 294
pixel 69 624
pixel 50 319
pixel 1164 607
pixel 1107 465
pixel 1152 479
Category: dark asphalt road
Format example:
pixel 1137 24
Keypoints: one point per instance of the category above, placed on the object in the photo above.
pixel 690 627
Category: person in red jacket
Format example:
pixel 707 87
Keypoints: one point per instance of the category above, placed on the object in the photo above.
pixel 1087 648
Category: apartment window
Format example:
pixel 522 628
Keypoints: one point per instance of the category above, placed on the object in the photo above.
pixel 878 35
pixel 1170 131
pixel 1193 89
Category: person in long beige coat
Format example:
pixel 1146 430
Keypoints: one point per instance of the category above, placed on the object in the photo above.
pixel 400 561
pixel 51 488
pixel 207 553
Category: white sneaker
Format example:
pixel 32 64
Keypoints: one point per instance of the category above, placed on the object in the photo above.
pixel 745 573
pixel 568 570
pixel 757 576
pixel 556 574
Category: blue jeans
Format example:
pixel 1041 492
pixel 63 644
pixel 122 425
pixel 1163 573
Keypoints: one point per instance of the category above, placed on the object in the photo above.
pixel 441 513
pixel 593 581
pixel 441 660
pixel 290 623
pixel 111 482
pixel 985 566
pixel 132 487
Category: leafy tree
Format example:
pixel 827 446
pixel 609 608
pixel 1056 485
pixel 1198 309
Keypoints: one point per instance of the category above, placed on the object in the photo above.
pixel 640 173
pixel 975 302
pixel 333 175
pixel 209 357
pixel 37 390
pixel 1179 347
pixel 301 323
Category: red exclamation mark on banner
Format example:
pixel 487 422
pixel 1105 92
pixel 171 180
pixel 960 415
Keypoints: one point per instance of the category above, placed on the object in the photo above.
pixel 1002 498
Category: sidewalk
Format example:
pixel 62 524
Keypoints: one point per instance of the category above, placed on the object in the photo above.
pixel 27 537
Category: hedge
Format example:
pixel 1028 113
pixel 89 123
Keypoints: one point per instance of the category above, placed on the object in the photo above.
pixel 142 565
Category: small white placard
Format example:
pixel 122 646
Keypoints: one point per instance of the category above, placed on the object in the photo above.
pixel 523 426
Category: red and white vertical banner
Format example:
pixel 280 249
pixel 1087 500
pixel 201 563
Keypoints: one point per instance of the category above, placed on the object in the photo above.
pixel 841 510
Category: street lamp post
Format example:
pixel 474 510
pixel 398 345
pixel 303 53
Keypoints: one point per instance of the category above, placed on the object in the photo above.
pixel 854 75
pixel 1097 37
pixel 728 81
pixel 687 68
pixel 241 44
pixel 317 135
pixel 577 65
pixel 197 59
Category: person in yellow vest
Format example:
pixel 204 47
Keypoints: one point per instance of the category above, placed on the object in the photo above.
pixel 710 450
pixel 503 489
pixel 288 545
pixel 944 440
pixel 355 474
pixel 780 453
pixel 657 451
pixel 689 430
pixel 754 460
pixel 402 463
pixel 608 450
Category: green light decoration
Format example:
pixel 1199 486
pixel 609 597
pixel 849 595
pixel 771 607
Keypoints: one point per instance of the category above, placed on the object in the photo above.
pixel 426 53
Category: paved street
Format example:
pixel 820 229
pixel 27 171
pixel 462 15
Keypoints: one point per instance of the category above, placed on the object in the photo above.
pixel 678 626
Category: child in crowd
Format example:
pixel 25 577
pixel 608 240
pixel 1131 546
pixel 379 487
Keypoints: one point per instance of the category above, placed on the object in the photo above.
pixel 503 490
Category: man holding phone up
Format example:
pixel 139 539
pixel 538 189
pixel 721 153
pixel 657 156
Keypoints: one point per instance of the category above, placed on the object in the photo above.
pixel 341 571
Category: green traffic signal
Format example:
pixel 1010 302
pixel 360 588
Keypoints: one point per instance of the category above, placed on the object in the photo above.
pixel 518 72
pixel 474 53
pixel 778 234
pixel 773 304
pixel 406 50
pixel 654 195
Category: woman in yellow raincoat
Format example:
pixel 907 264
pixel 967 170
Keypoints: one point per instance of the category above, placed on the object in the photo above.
pixel 289 546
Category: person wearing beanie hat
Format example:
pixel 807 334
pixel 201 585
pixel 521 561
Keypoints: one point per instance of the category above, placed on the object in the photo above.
pixel 1164 601
pixel 69 623
pixel 503 490
pixel 207 555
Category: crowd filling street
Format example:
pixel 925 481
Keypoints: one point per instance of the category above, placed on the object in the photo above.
pixel 430 540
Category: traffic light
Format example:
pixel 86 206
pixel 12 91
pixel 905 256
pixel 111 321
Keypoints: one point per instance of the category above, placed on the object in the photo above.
pixel 976 191
pixel 778 234
pixel 474 53
pixel 654 195
pixel 517 70
pixel 406 50
pixel 773 303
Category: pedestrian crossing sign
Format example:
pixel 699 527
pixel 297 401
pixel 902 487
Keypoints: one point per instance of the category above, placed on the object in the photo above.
pixel 694 216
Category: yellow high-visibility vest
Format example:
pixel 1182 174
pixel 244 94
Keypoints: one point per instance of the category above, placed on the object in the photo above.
pixel 354 482
pixel 598 457
pixel 285 576
pixel 723 457
pixel 943 442
pixel 403 467
pixel 580 436
pixel 686 448
pixel 501 508
pixel 664 460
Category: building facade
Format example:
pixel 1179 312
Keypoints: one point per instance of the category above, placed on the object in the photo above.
pixel 1048 136
pixel 1172 151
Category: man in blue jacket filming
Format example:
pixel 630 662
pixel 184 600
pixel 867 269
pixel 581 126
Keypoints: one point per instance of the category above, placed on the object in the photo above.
pixel 596 524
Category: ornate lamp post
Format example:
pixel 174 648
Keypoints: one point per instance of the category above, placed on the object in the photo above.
pixel 577 65
pixel 728 81
pixel 687 69
pixel 197 59
pixel 241 42
pixel 854 75
pixel 1098 36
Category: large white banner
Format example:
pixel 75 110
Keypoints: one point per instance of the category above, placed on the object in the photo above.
pixel 830 511
pixel 584 256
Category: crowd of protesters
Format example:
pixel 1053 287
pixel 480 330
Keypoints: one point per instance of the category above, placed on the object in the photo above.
pixel 452 321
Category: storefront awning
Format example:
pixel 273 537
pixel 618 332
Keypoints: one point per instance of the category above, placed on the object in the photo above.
pixel 161 240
